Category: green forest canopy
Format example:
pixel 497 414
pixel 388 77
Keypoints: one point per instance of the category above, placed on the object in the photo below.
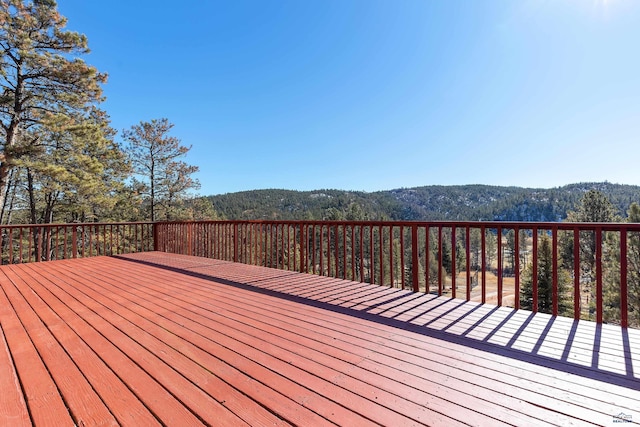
pixel 455 203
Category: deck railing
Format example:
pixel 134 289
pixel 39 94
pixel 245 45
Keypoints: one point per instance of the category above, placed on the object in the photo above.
pixel 581 270
pixel 46 242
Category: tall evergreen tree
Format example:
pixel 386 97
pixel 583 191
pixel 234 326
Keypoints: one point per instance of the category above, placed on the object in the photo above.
pixel 40 76
pixel 71 177
pixel 77 171
pixel 175 182
pixel 593 207
pixel 155 156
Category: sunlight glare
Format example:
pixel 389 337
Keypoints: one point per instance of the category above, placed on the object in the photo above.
pixel 601 8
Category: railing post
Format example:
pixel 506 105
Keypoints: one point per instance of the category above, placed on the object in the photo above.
pixel 516 272
pixel 440 278
pixel 10 236
pixel 74 242
pixel 534 262
pixel 235 242
pixel 427 250
pixel 391 266
pixel 402 263
pixel 40 241
pixel 453 261
pixel 599 296
pixel 156 234
pixel 415 260
pixel 303 251
pixel 467 250
pixel 554 288
pixel 577 303
pixel 624 316
pixel 500 269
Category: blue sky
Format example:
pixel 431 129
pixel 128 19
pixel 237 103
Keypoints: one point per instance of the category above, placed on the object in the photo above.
pixel 378 94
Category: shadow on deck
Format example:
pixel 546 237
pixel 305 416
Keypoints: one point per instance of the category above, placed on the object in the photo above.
pixel 601 352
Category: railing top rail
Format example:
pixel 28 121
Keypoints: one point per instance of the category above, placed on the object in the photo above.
pixel 526 225
pixel 74 224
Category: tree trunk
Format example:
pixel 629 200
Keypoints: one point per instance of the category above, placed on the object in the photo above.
pixel 11 133
pixel 152 181
pixel 33 217
pixel 10 185
pixel 4 182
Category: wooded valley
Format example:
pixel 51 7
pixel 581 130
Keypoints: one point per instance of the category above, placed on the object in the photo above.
pixel 454 203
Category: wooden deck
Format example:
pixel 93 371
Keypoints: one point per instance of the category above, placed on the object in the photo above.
pixel 162 339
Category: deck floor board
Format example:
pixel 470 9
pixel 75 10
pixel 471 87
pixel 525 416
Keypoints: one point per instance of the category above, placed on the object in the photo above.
pixel 156 338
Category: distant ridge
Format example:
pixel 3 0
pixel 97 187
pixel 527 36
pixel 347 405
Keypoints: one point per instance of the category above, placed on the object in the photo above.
pixel 434 202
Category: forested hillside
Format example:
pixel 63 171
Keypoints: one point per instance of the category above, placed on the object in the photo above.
pixel 466 202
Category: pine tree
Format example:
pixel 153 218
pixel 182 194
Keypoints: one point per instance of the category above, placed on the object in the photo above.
pixel 76 171
pixel 593 207
pixel 40 77
pixel 164 179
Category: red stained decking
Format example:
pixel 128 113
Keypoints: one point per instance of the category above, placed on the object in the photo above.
pixel 162 339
